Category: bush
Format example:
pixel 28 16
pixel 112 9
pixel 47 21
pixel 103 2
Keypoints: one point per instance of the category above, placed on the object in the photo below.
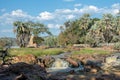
pixel 117 46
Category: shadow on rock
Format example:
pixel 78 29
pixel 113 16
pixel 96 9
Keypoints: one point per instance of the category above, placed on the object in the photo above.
pixel 22 71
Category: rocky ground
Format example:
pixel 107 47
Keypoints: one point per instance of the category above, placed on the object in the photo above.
pixel 31 68
pixel 94 69
pixel 22 71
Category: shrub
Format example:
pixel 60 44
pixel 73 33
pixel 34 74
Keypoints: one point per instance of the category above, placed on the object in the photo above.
pixel 117 46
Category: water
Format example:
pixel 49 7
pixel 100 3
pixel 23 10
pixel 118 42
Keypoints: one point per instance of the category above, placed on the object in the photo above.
pixel 60 65
pixel 63 55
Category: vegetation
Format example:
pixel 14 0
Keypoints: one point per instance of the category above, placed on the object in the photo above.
pixel 6 42
pixel 91 51
pixel 36 51
pixel 85 30
pixel 51 41
pixel 117 46
pixel 24 30
pixel 91 30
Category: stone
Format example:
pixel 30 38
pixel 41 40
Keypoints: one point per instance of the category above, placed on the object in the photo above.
pixel 21 77
pixel 23 71
pixel 29 58
pixel 82 76
pixel 94 70
pixel 71 61
pixel 93 78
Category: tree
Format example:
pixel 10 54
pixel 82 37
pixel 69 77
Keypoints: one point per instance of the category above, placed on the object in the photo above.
pixel 22 33
pixel 74 31
pixel 51 41
pixel 95 36
pixel 91 30
pixel 116 30
pixel 24 30
pixel 84 26
pixel 107 27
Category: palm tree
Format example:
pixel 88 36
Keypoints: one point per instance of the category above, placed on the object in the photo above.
pixel 107 27
pixel 84 24
pixel 22 33
pixel 24 30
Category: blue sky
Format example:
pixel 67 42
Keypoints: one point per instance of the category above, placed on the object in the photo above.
pixel 52 13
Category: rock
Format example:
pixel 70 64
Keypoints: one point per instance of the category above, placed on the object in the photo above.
pixel 21 77
pixel 93 78
pixel 45 61
pixel 71 71
pixel 74 63
pixel 26 58
pixel 112 62
pixel 82 76
pixel 94 70
pixel 23 71
pixel 106 73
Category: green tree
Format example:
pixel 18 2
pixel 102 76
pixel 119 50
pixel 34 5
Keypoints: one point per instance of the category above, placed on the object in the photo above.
pixel 24 30
pixel 74 31
pixel 51 41
pixel 107 27
pixel 22 33
pixel 116 30
pixel 84 26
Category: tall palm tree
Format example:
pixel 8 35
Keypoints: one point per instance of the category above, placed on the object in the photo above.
pixel 107 27
pixel 84 24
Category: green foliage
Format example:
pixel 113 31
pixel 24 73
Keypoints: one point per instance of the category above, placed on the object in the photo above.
pixel 36 51
pixel 5 42
pixel 117 46
pixel 24 30
pixel 51 41
pixel 91 30
pixel 22 33
pixel 37 40
pixel 75 31
pixel 90 51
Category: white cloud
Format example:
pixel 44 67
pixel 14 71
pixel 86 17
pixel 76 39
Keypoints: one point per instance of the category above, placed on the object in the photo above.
pixel 70 17
pixel 115 11
pixel 55 18
pixel 9 18
pixel 59 16
pixel 53 25
pixel 116 5
pixel 77 5
pixel 63 11
pixel 18 13
pixel 89 9
pixel 68 0
pixel 45 16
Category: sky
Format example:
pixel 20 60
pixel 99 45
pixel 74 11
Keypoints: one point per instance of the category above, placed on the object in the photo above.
pixel 52 13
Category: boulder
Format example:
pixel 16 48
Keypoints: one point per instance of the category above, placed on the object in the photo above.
pixel 29 58
pixel 23 71
pixel 112 62
pixel 71 61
